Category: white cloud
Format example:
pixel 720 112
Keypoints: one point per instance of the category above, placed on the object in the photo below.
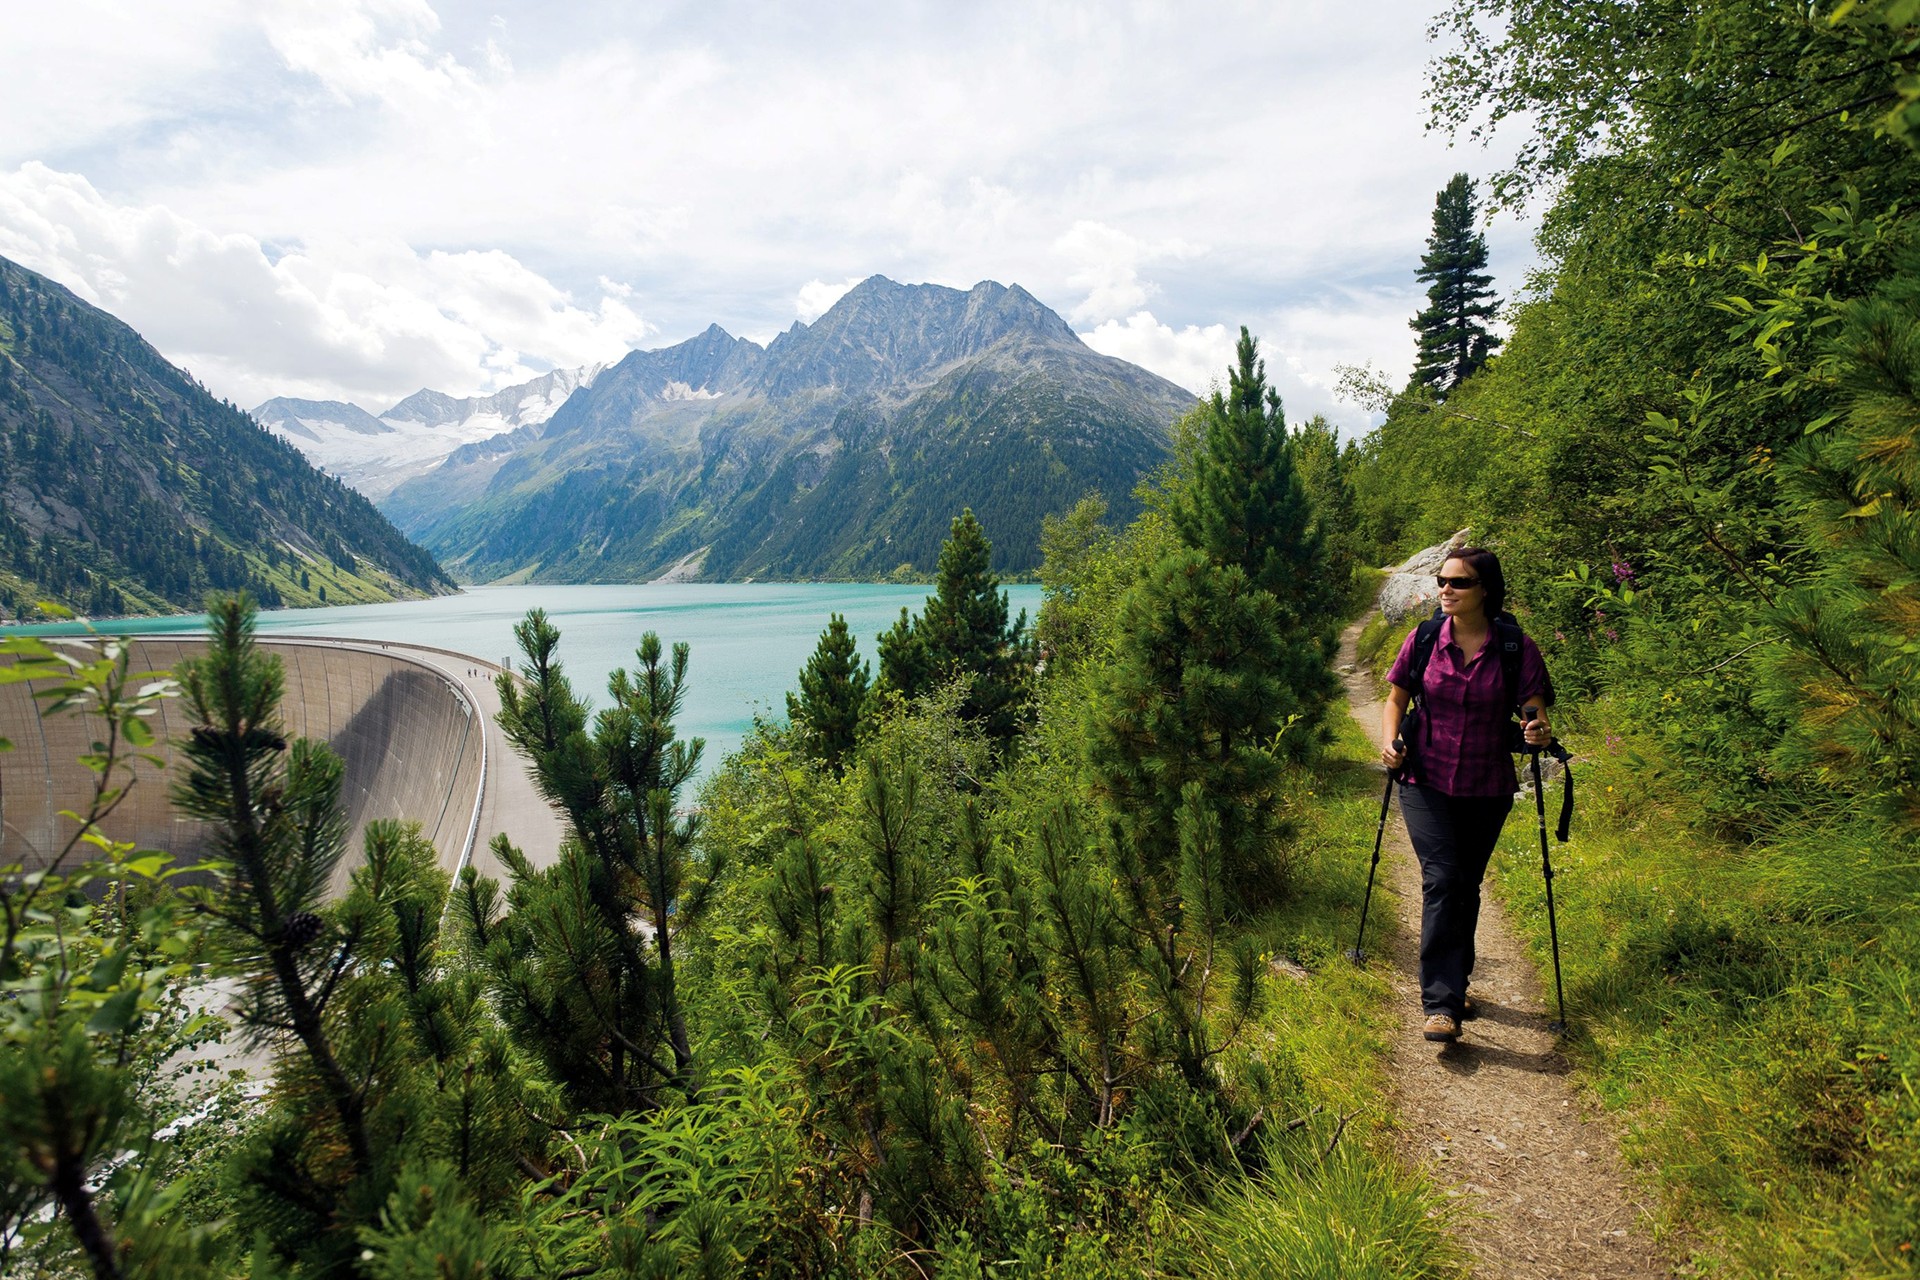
pixel 1107 265
pixel 1198 163
pixel 1301 345
pixel 86 72
pixel 376 49
pixel 369 321
pixel 1194 357
pixel 1305 342
pixel 816 297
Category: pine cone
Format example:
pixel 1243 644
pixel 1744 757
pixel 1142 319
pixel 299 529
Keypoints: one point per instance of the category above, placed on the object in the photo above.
pixel 301 930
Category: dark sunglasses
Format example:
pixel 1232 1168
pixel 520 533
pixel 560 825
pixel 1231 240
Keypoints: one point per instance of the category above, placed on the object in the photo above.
pixel 1458 584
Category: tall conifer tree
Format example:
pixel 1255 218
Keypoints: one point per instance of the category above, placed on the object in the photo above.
pixel 833 694
pixel 1223 646
pixel 1201 682
pixel 582 960
pixel 1454 341
pixel 964 630
pixel 1247 506
pixel 274 808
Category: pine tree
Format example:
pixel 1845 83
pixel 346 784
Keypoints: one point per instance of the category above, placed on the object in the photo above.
pixel 1201 682
pixel 1245 505
pixel 1454 341
pixel 279 832
pixel 582 962
pixel 964 632
pixel 1850 671
pixel 833 694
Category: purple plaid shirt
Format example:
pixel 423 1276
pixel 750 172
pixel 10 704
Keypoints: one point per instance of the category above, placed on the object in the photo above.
pixel 1463 743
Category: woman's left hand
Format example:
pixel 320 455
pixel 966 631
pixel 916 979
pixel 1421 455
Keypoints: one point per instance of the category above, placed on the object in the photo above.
pixel 1539 733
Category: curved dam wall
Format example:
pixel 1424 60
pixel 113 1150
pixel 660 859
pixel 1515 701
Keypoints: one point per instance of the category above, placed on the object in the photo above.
pixel 411 740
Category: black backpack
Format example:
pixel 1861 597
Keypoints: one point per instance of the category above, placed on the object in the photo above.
pixel 1508 635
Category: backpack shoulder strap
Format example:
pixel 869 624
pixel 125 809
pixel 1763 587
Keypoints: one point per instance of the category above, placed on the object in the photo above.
pixel 1425 636
pixel 1507 634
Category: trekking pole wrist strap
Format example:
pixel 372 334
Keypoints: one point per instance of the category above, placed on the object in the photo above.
pixel 1561 754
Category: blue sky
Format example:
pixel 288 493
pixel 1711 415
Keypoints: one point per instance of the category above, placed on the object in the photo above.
pixel 356 198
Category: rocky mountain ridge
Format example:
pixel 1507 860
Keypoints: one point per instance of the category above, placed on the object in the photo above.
pixel 842 448
pixel 375 453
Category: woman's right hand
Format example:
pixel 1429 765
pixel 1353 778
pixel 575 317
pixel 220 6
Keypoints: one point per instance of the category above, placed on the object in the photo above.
pixel 1393 711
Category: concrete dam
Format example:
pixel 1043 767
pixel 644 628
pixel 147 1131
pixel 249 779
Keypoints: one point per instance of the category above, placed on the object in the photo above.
pixel 413 725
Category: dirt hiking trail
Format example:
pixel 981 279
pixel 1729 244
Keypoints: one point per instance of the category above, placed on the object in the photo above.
pixel 1495 1117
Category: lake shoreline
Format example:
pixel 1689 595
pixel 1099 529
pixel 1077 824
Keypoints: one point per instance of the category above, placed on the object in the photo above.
pixel 748 641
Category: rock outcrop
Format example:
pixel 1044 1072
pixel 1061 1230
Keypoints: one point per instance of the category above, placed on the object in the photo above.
pixel 1409 586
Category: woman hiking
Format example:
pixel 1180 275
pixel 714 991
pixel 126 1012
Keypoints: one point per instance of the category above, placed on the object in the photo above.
pixel 1456 770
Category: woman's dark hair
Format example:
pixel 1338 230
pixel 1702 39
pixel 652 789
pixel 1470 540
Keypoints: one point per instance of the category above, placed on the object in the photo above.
pixel 1486 567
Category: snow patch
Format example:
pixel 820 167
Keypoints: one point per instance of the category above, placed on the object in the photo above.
pixel 377 455
pixel 681 391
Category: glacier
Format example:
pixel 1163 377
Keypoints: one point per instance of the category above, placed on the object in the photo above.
pixel 377 454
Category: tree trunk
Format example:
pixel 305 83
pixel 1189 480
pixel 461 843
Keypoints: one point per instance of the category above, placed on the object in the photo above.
pixel 70 1188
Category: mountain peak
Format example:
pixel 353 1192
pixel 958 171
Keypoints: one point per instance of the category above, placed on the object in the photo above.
pixel 288 415
pixel 531 401
pixel 882 331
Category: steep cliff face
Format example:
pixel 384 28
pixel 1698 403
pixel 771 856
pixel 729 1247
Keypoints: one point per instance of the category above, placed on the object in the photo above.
pixel 842 448
pixel 126 488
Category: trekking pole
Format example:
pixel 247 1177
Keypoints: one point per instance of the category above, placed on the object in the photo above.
pixel 1358 955
pixel 1558 1027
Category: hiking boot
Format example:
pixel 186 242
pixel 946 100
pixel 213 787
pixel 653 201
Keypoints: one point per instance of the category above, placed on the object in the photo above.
pixel 1469 1008
pixel 1441 1028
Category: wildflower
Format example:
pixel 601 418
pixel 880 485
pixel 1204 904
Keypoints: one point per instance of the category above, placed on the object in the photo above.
pixel 1622 571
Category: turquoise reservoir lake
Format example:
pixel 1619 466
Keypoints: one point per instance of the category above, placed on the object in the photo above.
pixel 749 640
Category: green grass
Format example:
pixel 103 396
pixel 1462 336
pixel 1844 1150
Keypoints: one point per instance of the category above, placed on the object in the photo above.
pixel 1753 1016
pixel 1342 1216
pixel 1336 1014
pixel 1379 643
pixel 1336 1201
pixel 1363 589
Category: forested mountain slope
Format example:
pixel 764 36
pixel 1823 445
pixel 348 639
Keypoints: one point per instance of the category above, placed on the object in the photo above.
pixel 126 488
pixel 840 449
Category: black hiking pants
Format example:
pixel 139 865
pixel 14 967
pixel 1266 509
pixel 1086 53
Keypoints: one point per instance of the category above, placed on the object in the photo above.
pixel 1453 837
